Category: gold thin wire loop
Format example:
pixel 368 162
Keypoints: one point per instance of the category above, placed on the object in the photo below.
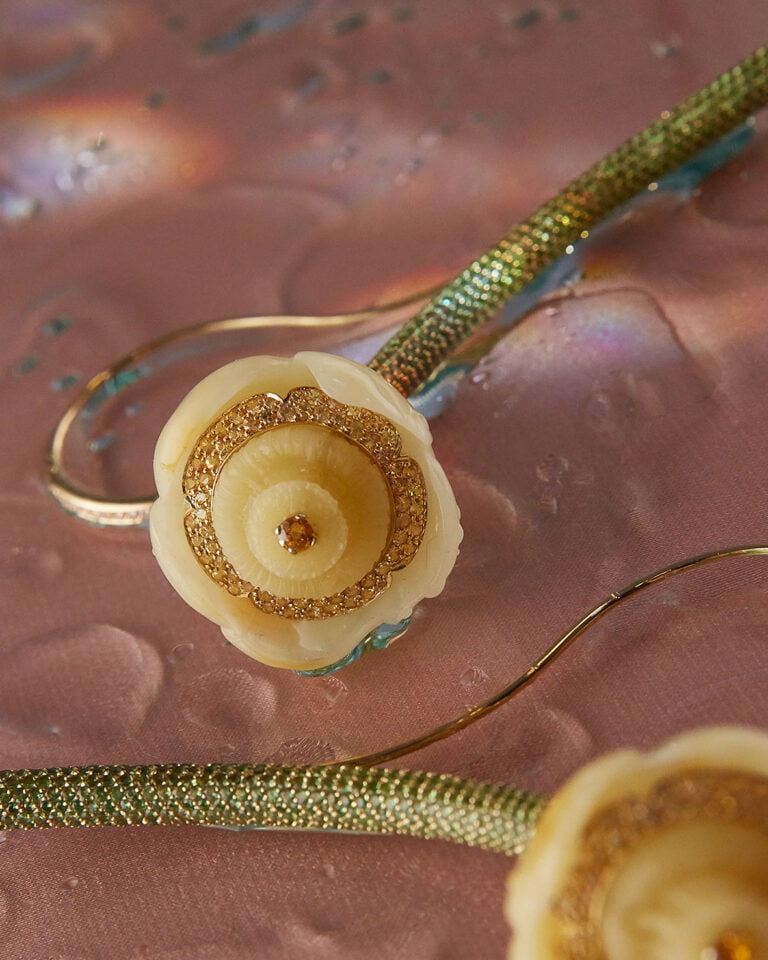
pixel 473 714
pixel 131 512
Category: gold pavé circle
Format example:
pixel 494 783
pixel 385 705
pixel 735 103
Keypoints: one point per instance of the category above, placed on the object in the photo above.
pixel 369 431
pixel 613 833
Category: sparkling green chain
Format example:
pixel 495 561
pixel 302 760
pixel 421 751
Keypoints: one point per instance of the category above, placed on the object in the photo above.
pixel 478 292
pixel 345 799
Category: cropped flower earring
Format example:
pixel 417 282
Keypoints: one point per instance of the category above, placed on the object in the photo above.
pixel 652 856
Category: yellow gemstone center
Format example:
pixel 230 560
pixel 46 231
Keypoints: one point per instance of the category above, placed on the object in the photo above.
pixel 731 946
pixel 295 534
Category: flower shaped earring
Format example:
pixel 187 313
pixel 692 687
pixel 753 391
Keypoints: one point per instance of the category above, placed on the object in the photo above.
pixel 301 507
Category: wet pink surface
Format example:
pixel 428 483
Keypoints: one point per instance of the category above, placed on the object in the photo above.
pixel 169 163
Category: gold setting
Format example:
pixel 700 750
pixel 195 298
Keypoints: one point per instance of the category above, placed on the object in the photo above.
pixel 615 831
pixel 369 431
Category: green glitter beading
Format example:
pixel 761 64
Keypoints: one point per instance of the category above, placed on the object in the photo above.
pixel 343 799
pixel 453 314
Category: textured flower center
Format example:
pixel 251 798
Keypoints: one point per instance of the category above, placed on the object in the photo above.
pixel 258 472
pixel 295 534
pixel 267 491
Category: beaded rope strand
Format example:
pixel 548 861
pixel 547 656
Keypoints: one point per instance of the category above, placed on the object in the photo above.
pixel 338 799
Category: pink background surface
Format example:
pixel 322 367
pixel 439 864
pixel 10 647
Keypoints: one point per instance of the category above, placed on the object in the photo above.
pixel 153 175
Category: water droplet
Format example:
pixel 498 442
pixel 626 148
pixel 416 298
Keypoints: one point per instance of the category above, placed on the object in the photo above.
pixel 180 652
pixel 64 383
pixel 551 311
pixel 329 870
pixel 57 325
pixel 85 159
pixel 70 883
pixel 307 938
pixel 473 677
pixel 480 376
pixel 300 750
pixel 102 442
pixel 334 690
pixel 430 139
pixel 64 181
pixel 663 50
pixel 26 365
pixel 28 558
pixel 229 701
pixel 15 205
pixel 91 683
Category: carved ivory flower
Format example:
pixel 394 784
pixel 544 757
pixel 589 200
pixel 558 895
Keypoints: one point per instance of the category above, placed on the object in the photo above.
pixel 300 506
pixel 659 856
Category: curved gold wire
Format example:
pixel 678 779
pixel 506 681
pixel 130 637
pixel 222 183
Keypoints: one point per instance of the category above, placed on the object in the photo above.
pixel 130 512
pixel 473 714
pixel 328 797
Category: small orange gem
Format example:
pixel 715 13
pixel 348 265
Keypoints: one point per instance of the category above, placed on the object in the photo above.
pixel 732 946
pixel 295 534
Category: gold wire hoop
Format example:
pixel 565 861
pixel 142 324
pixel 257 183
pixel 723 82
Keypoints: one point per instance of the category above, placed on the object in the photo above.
pixel 134 512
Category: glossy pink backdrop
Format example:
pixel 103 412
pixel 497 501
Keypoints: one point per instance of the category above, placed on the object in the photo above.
pixel 168 163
